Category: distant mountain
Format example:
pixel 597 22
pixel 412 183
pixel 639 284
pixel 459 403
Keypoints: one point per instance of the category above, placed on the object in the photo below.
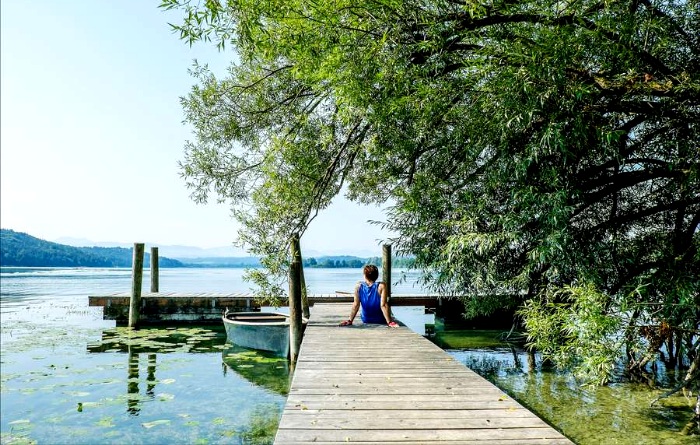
pixel 23 250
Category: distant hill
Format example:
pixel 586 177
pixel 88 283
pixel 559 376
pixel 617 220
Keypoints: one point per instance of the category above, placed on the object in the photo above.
pixel 20 249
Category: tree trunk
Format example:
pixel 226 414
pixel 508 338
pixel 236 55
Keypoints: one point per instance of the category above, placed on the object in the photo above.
pixel 679 350
pixel 670 349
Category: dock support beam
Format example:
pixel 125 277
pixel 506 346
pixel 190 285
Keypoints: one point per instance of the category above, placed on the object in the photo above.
pixel 295 322
pixel 296 256
pixel 154 269
pixel 136 280
pixel 386 269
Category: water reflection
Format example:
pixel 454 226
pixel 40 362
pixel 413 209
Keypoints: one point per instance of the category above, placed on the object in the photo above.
pixel 132 388
pixel 259 368
pixel 151 377
pixel 134 398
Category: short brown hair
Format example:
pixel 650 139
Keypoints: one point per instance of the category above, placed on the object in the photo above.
pixel 371 272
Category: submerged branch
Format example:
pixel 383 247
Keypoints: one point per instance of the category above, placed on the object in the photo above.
pixel 692 376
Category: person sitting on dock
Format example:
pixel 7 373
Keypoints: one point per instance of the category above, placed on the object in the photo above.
pixel 371 295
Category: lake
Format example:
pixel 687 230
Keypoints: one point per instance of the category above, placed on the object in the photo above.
pixel 70 377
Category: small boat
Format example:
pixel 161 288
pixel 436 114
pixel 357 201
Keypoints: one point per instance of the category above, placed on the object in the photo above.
pixel 265 331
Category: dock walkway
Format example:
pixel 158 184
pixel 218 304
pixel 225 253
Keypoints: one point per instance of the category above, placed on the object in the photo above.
pixel 373 384
pixel 166 307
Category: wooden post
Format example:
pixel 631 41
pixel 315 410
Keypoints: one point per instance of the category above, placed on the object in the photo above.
pixel 386 269
pixel 295 323
pixel 154 269
pixel 296 256
pixel 136 280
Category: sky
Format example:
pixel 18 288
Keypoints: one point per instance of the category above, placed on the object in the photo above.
pixel 91 131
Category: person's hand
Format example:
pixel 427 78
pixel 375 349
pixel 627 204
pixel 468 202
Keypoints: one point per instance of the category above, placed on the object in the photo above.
pixel 393 324
pixel 346 323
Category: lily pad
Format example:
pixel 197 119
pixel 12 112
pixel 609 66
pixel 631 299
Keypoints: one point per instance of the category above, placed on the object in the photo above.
pixel 155 423
pixel 105 422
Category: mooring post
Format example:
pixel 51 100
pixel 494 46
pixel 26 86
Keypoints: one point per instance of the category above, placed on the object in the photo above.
pixel 295 322
pixel 136 280
pixel 296 256
pixel 386 269
pixel 154 269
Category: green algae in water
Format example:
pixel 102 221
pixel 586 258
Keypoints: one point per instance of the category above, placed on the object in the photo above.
pixel 615 414
pixel 155 339
pixel 262 426
pixel 468 339
pixel 106 397
pixel 260 368
pixel 105 422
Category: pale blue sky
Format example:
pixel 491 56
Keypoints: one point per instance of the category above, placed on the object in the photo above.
pixel 91 131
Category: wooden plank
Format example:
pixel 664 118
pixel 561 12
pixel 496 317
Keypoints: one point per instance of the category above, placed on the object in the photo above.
pixel 420 435
pixel 362 414
pixel 401 381
pixel 307 404
pixel 390 399
pixel 393 372
pixel 481 441
pixel 362 389
pixel 374 365
pixel 396 422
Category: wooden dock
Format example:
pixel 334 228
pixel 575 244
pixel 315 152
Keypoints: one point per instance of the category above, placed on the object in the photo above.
pixel 373 384
pixel 158 307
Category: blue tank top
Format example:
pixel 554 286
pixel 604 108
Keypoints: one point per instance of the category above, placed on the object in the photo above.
pixel 371 303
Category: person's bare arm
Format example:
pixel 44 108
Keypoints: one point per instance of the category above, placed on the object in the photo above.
pixel 355 303
pixel 355 306
pixel 386 310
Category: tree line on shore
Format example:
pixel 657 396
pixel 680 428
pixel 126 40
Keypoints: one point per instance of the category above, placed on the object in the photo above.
pixel 333 262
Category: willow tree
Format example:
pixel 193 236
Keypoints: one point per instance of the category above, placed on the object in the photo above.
pixel 540 155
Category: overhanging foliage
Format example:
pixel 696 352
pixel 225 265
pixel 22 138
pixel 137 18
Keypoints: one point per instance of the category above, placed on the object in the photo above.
pixel 525 146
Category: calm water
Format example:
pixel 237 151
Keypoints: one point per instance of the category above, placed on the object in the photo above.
pixel 69 377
